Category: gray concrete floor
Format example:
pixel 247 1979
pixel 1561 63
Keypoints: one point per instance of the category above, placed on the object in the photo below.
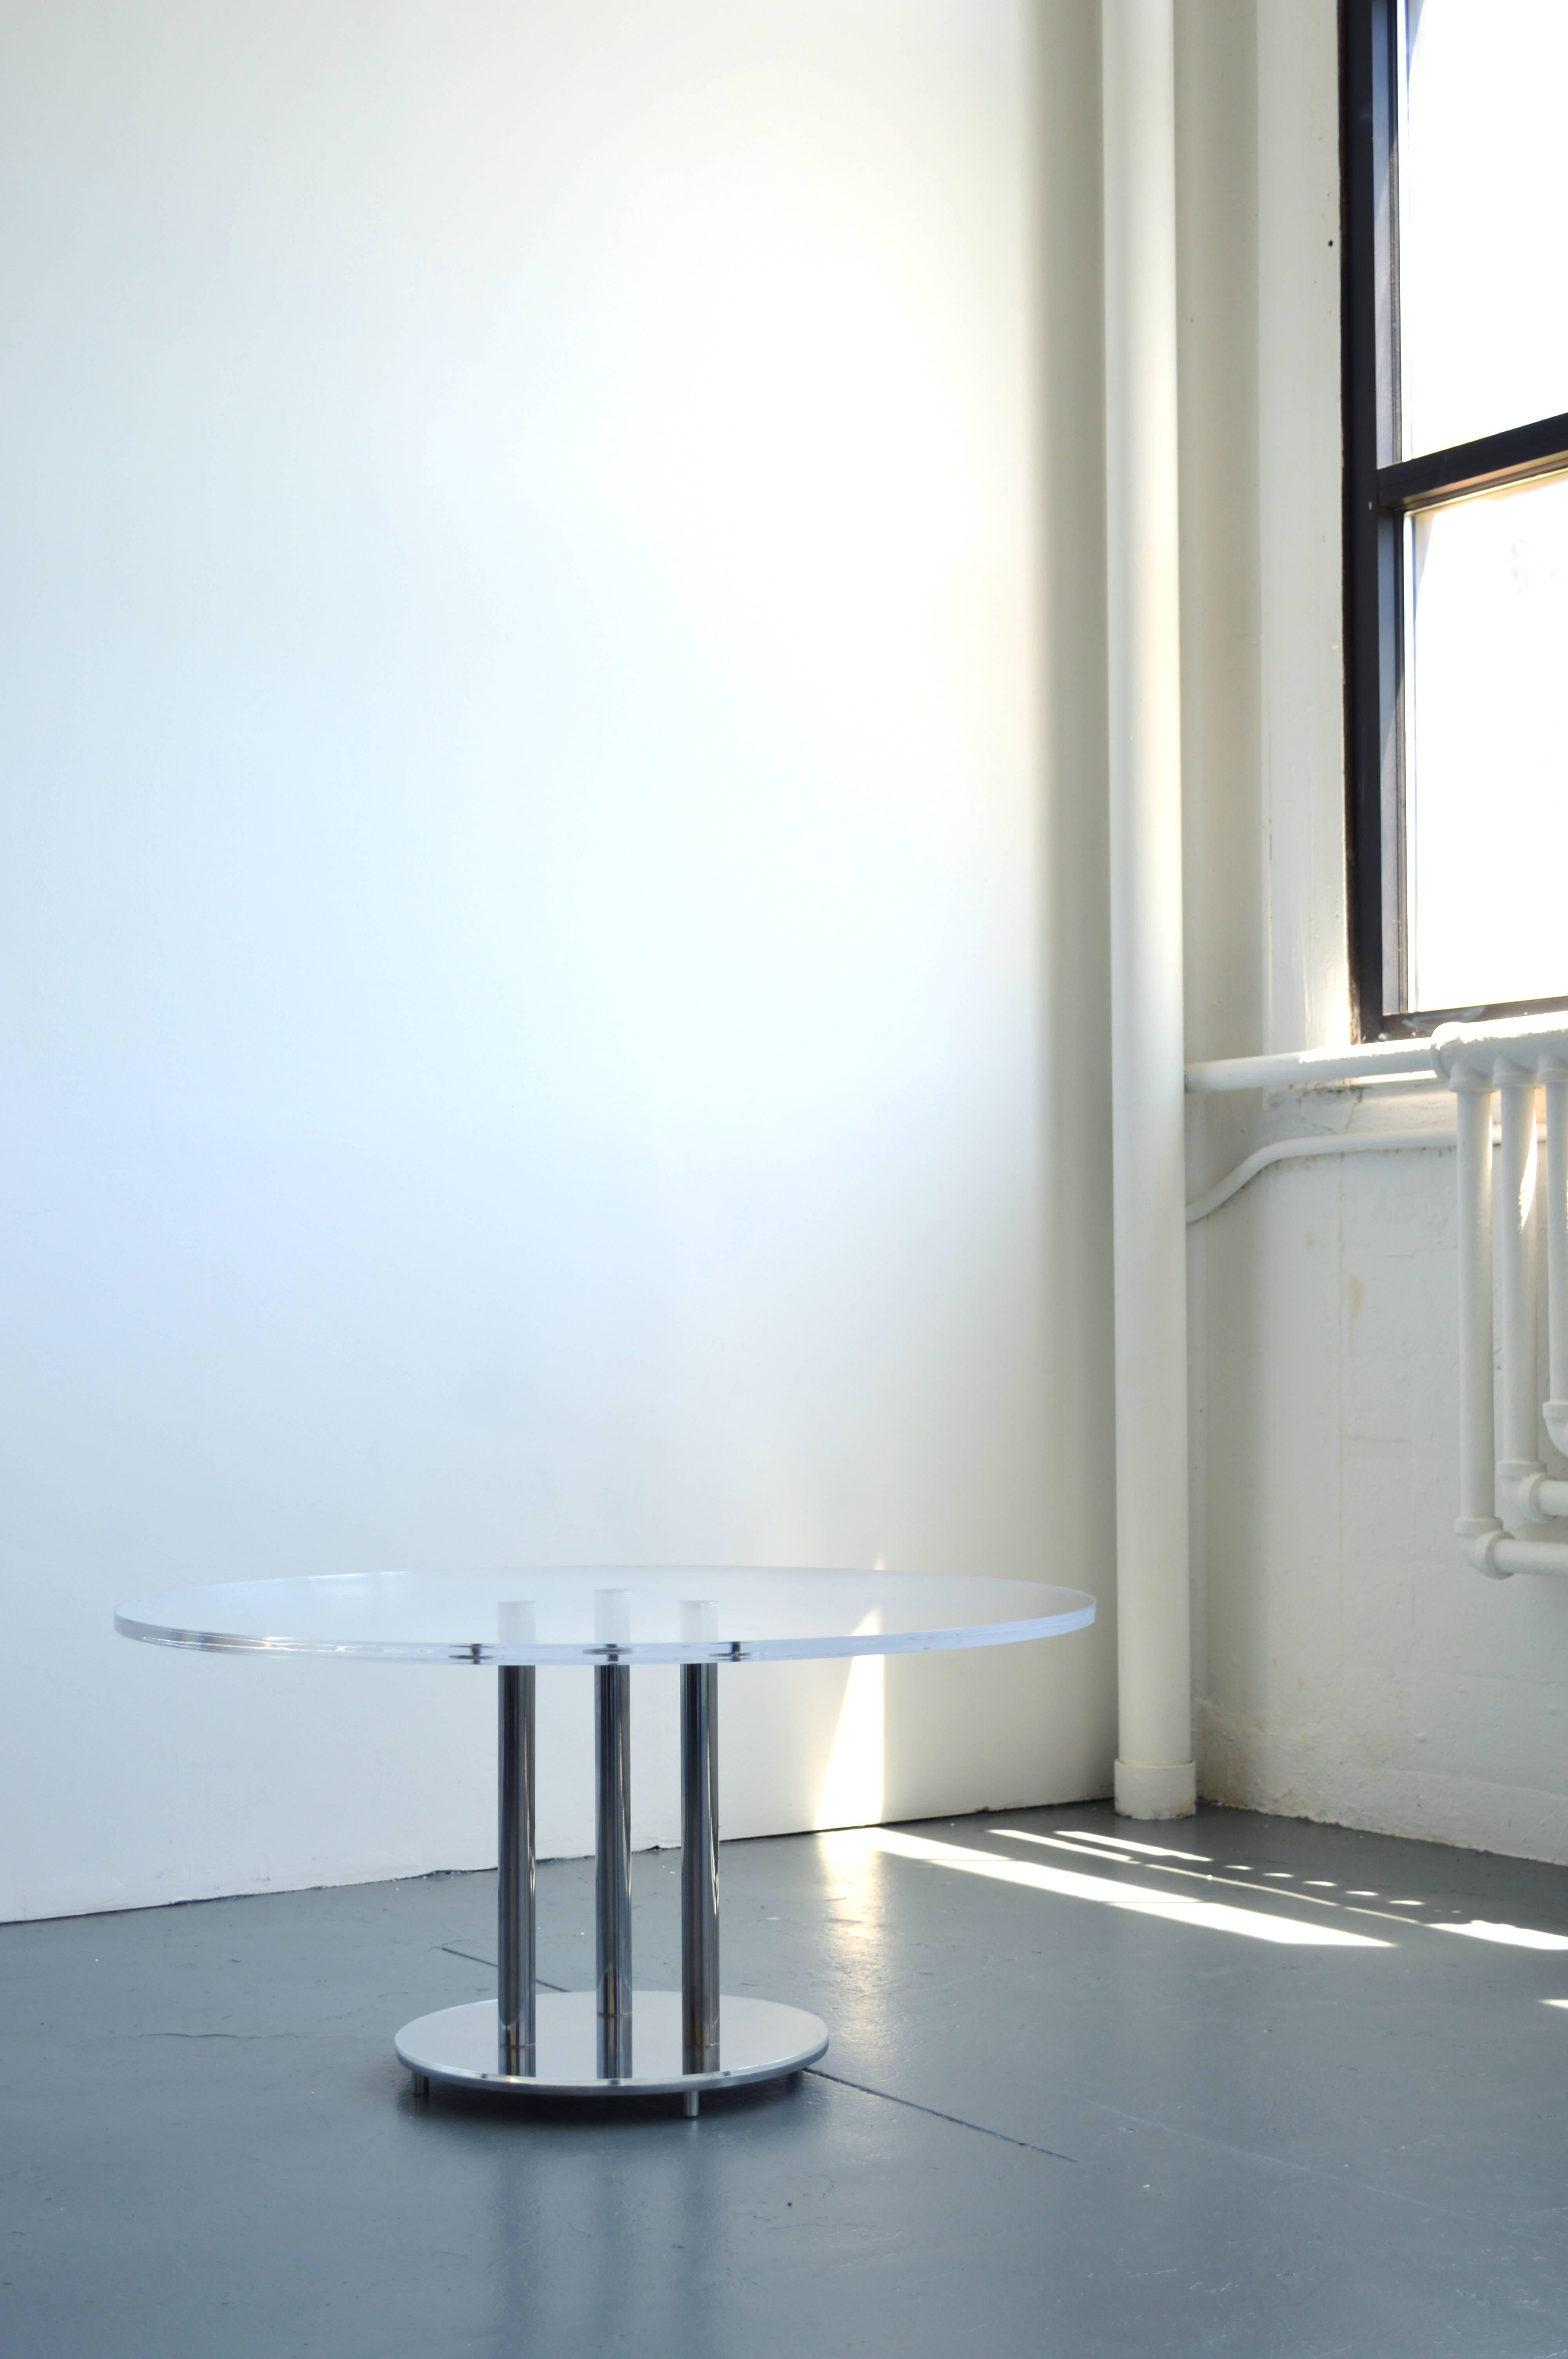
pixel 1044 2124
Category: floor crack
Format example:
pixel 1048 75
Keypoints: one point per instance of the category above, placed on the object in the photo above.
pixel 212 2035
pixel 474 1959
pixel 1307 2169
pixel 1050 2152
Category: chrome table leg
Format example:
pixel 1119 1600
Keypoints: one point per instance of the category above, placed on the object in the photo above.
pixel 516 1884
pixel 699 1867
pixel 612 1893
pixel 578 2043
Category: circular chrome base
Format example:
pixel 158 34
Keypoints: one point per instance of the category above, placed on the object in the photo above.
pixel 758 2040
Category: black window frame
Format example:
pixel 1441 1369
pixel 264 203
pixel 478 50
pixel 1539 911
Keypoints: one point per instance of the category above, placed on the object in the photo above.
pixel 1381 490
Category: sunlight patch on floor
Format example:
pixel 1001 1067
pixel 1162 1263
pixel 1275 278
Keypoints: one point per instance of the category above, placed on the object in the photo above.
pixel 1213 1916
pixel 1511 1937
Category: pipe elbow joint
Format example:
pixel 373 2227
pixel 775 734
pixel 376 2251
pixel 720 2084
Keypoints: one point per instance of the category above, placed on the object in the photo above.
pixel 1462 1064
pixel 1478 1537
pixel 1518 1491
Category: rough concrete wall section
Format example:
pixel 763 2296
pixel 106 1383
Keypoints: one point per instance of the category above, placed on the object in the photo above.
pixel 1357 1670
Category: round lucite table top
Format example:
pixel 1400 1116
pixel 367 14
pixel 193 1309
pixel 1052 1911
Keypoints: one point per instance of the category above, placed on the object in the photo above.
pixel 610 1614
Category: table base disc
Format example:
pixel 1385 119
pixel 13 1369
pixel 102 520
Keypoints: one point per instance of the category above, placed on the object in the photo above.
pixel 758 2040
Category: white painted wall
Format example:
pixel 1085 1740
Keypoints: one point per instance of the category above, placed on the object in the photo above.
pixel 1348 1667
pixel 554 907
pixel 524 952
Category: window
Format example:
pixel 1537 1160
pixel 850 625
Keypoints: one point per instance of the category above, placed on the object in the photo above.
pixel 1456 507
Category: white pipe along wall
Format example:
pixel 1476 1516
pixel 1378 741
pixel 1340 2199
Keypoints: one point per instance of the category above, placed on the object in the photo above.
pixel 1553 1070
pixel 1155 1775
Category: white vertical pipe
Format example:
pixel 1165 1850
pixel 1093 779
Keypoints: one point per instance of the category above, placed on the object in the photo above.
pixel 1554 1073
pixel 1515 1273
pixel 1155 1771
pixel 1478 1447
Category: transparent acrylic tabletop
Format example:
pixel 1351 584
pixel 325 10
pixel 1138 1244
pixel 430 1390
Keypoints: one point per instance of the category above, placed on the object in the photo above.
pixel 566 1614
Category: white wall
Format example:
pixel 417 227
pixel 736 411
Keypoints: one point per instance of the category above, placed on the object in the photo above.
pixel 1349 1667
pixel 523 950
pixel 552 948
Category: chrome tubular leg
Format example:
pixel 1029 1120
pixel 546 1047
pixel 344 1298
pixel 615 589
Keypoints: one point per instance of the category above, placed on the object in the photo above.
pixel 612 1755
pixel 699 1867
pixel 515 1907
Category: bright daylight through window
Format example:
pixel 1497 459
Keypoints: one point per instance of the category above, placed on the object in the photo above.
pixel 1456 506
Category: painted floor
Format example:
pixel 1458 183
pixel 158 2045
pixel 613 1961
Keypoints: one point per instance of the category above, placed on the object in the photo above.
pixel 1294 2092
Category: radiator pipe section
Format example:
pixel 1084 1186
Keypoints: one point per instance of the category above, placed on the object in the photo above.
pixel 1540 1498
pixel 1473 1060
pixel 1515 1246
pixel 1520 1487
pixel 1477 1448
pixel 1507 1557
pixel 1554 1073
pixel 1311 1068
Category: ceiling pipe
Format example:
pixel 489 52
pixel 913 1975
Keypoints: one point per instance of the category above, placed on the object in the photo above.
pixel 1155 1778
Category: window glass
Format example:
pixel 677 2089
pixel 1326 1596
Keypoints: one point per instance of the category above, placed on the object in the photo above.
pixel 1483 316
pixel 1486 747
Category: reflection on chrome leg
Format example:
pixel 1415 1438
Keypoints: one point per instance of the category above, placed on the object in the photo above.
pixel 515 1880
pixel 699 1866
pixel 613 1913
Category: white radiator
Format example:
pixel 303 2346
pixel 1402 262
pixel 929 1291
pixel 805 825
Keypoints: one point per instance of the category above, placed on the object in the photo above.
pixel 1513 1515
pixel 1507 1502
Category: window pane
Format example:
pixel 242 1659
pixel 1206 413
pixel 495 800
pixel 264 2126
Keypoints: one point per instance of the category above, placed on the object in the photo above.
pixel 1486 820
pixel 1483 324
